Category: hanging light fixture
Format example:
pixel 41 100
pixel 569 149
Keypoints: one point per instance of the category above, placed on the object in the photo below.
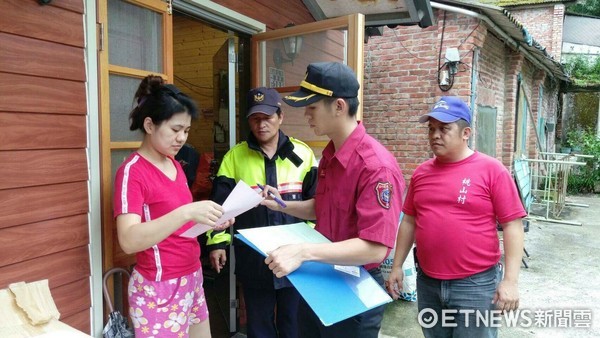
pixel 291 48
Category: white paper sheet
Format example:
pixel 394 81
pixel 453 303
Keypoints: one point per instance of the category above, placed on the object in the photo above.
pixel 241 199
pixel 270 238
pixel 196 230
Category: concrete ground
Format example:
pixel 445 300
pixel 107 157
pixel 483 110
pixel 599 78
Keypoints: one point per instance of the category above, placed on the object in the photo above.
pixel 563 276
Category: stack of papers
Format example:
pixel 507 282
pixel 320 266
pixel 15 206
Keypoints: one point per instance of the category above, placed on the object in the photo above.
pixel 241 199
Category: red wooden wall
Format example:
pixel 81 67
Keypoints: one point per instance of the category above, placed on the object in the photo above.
pixel 274 14
pixel 43 162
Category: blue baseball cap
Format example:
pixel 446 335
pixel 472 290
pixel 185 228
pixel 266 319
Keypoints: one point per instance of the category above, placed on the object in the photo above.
pixel 447 110
pixel 263 100
pixel 324 79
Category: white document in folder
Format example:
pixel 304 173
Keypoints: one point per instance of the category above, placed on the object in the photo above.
pixel 267 239
pixel 270 238
pixel 241 199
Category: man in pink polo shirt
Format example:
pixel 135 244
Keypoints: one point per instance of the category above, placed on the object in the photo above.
pixel 453 204
pixel 358 200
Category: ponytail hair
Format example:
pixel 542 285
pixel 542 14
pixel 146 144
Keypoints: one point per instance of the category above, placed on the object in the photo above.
pixel 159 101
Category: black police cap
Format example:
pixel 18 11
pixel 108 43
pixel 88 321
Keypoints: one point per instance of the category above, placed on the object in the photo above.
pixel 324 79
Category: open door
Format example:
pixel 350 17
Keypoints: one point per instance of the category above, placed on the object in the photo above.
pixel 225 130
pixel 136 40
pixel 272 65
pixel 276 65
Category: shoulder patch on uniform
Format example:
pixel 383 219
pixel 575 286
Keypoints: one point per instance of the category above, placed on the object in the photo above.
pixel 383 190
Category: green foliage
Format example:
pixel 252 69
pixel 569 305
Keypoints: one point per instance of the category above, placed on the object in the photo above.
pixel 585 179
pixel 587 7
pixel 585 110
pixel 583 71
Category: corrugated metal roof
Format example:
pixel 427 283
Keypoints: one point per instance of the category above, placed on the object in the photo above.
pixel 582 30
pixel 513 28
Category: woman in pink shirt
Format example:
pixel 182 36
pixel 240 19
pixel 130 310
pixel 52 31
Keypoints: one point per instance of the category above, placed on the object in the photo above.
pixel 153 206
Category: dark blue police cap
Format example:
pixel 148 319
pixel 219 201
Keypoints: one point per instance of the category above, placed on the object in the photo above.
pixel 263 100
pixel 324 79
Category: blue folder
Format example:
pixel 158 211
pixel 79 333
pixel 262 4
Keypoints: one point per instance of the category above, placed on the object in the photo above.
pixel 334 295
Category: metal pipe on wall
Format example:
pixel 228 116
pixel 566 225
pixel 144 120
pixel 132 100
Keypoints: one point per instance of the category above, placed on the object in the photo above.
pixel 495 28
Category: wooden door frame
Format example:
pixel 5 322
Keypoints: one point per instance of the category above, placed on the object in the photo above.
pixel 354 23
pixel 106 146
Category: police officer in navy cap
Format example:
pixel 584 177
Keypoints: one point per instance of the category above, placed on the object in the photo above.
pixel 272 158
pixel 359 195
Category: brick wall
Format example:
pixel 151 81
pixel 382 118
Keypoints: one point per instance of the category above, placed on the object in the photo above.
pixel 490 85
pixel 545 105
pixel 514 64
pixel 550 109
pixel 558 19
pixel 529 89
pixel 545 24
pixel 401 84
pixel 401 81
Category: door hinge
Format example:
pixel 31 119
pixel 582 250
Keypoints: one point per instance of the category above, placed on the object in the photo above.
pixel 233 303
pixel 100 36
pixel 233 57
pixel 169 6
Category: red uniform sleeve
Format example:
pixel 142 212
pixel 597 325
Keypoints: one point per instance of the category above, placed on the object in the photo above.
pixel 379 204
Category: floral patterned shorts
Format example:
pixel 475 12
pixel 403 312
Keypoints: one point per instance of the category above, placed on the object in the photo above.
pixel 166 308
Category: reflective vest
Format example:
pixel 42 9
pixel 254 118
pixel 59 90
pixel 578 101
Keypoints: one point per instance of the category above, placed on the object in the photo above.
pixel 247 162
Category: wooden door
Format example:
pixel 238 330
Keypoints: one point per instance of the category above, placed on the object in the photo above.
pixel 136 40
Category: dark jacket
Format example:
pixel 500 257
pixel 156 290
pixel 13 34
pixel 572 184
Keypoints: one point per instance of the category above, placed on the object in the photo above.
pixel 292 170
